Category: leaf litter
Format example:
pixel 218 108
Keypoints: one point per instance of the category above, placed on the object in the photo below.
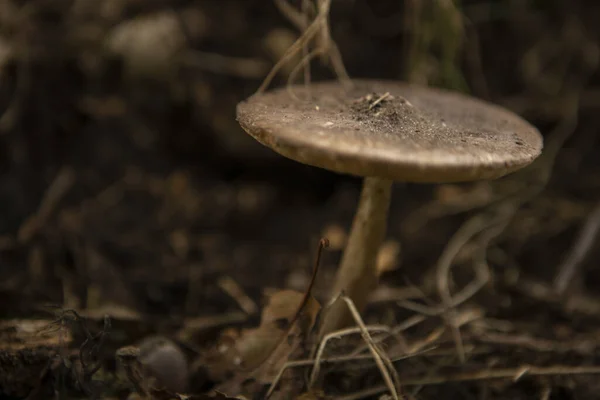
pixel 260 353
pixel 62 349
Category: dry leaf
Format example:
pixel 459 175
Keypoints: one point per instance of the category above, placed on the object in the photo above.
pixel 337 236
pixel 283 305
pixel 259 353
pixel 387 258
pixel 277 316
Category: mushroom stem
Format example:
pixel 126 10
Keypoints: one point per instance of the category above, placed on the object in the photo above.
pixel 357 274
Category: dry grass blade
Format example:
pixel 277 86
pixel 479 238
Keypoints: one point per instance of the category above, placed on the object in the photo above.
pixel 301 20
pixel 382 360
pixel 337 335
pixel 298 45
pixel 584 243
pixel 233 289
pixel 317 30
pixel 56 191
pixel 251 68
pixel 503 373
pixel 466 232
pixel 323 244
pixel 492 222
pixel 335 360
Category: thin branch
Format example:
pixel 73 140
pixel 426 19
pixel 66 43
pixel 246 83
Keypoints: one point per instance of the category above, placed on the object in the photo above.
pixel 514 374
pixel 584 243
pixel 382 360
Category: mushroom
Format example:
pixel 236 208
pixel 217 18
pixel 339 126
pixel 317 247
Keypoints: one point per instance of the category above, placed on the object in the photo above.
pixel 386 131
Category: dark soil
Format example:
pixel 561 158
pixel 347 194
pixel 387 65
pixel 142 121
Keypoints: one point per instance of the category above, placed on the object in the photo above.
pixel 134 198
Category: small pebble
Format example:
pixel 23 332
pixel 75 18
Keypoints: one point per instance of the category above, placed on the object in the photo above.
pixel 164 360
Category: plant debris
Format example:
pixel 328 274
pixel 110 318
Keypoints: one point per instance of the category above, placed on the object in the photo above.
pixel 174 246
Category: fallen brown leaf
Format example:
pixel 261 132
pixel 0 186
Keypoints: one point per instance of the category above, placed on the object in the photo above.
pixel 261 351
pixel 258 354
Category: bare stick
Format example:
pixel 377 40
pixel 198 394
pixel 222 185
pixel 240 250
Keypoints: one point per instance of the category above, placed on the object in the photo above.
pixel 409 323
pixel 250 68
pixel 61 184
pixel 472 227
pixel 337 335
pixel 585 240
pixel 303 64
pixel 377 354
pixel 233 289
pixel 335 56
pixel 338 65
pixel 309 34
pixel 292 15
pixel 379 100
pixel 397 330
pixel 317 30
pixel 334 360
pixel 545 393
pixel 323 244
pixel 463 318
pixel 504 373
pixel 458 241
pixel 306 11
pixel 481 267
pixel 301 20
pixel 493 226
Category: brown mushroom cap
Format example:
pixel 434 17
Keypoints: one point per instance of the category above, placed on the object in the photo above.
pixel 391 130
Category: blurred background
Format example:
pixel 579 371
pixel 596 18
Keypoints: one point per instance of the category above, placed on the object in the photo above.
pixel 127 184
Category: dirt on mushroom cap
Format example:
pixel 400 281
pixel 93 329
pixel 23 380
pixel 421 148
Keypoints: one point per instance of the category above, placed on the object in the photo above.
pixel 392 130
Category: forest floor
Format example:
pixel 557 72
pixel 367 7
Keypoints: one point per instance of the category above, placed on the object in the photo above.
pixel 148 248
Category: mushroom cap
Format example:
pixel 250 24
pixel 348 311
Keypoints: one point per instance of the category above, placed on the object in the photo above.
pixel 391 130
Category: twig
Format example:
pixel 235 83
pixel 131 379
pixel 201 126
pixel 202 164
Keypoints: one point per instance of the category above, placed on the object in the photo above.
pixel 193 325
pixel 89 351
pixel 297 46
pixel 409 323
pixel 303 64
pixel 334 360
pixel 318 29
pixel 292 15
pixel 385 294
pixel 323 244
pixel 459 320
pixel 53 195
pixel 545 393
pixel 307 10
pixel 466 232
pixel 233 289
pixel 250 68
pixel 337 335
pixel 503 373
pixel 583 347
pixel 532 179
pixel 381 360
pixel 396 332
pixel 301 20
pixel 379 100
pixel 583 244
